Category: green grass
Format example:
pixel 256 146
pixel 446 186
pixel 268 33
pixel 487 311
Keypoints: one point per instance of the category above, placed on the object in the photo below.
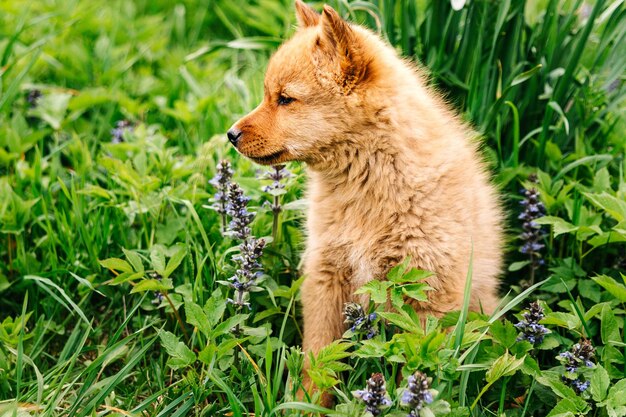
pixel 86 223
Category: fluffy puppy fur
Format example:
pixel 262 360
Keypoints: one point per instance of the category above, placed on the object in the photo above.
pixel 393 172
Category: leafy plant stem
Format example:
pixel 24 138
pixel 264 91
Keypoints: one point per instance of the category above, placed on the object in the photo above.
pixel 581 316
pixel 503 395
pixel 10 253
pixel 394 374
pixel 176 314
pixel 276 213
pixel 527 401
pixel 20 347
pixel 224 219
pixel 480 394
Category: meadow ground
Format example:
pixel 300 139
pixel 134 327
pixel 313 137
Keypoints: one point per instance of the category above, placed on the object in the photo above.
pixel 117 261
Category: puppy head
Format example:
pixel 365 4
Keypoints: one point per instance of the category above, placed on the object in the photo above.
pixel 312 87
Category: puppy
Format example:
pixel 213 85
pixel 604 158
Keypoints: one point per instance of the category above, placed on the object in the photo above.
pixel 393 172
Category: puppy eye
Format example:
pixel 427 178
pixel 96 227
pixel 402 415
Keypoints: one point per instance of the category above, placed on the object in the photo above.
pixel 284 100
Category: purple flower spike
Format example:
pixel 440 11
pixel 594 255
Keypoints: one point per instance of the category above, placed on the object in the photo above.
pixel 358 321
pixel 529 327
pixel 417 394
pixel 374 395
pixel 579 355
pixel 532 233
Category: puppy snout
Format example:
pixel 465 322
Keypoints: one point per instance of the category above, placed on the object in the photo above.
pixel 234 134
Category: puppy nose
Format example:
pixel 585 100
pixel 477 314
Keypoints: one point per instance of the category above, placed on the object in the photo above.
pixel 234 135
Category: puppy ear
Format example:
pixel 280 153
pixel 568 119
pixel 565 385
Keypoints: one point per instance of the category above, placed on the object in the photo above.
pixel 335 30
pixel 340 41
pixel 306 15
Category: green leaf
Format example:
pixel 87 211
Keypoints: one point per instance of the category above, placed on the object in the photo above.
pixel 602 180
pixel 516 266
pixel 615 288
pixel 197 317
pixel 262 316
pixel 617 394
pixel 416 291
pixel 376 289
pixel 157 257
pixel 48 285
pixel 439 408
pixel 415 275
pixel 591 159
pixel 296 205
pixel 556 107
pixel 228 324
pixel 275 192
pixel 426 412
pixel 567 320
pixel 372 348
pixel 323 379
pixel 209 354
pixel 612 236
pixel 215 307
pixel 329 355
pixel 559 226
pixel 525 75
pixel 325 365
pixel 51 108
pixel 175 261
pixel 564 408
pixel 549 343
pixel 134 259
pixel 301 406
pixel 396 297
pixel 402 320
pixel 609 328
pixel 116 264
pixel 595 309
pixel 589 289
pixel 505 365
pixel 599 383
pixel 504 333
pixel 180 355
pixel 152 285
pixel 553 380
pixel 531 367
pixel 396 274
pixel 613 206
pixel 126 277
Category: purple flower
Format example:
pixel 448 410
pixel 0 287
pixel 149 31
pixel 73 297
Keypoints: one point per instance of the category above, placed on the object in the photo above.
pixel 158 298
pixel 580 386
pixel 579 355
pixel 33 97
pixel 358 322
pixel 532 234
pixel 237 209
pixel 417 394
pixel 529 327
pixel 248 267
pixel 374 395
pixel 117 133
pixel 277 174
pixel 221 181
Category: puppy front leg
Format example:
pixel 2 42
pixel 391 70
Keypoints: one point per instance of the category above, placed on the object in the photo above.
pixel 323 297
